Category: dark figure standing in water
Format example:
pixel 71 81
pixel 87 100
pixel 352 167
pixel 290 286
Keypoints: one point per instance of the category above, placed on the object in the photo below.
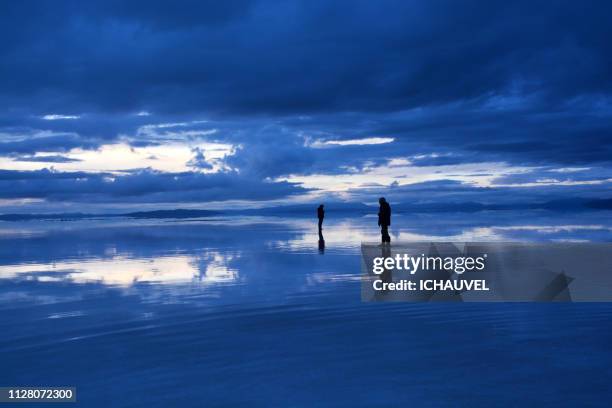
pixel 384 219
pixel 321 215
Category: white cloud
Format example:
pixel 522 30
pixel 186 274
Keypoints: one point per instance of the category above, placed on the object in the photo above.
pixel 169 157
pixel 175 131
pixel 60 117
pixel 353 142
pixel 570 169
pixel 403 173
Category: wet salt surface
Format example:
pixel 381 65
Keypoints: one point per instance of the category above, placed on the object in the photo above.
pixel 245 311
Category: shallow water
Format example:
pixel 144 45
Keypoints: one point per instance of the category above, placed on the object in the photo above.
pixel 247 311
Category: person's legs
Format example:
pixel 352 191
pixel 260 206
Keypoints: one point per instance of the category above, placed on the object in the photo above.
pixel 384 231
pixel 385 234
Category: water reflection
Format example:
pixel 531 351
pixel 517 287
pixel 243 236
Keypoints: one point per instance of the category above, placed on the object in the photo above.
pixel 216 268
pixel 205 307
pixel 211 251
pixel 321 242
pixel 211 267
pixel 347 235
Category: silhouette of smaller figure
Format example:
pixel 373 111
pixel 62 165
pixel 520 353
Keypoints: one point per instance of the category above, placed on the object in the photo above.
pixel 321 215
pixel 384 220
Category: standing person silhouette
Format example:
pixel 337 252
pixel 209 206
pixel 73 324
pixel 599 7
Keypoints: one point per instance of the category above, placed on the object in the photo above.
pixel 384 219
pixel 321 215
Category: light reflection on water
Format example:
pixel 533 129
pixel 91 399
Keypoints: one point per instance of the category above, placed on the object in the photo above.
pixel 125 271
pixel 206 262
pixel 248 311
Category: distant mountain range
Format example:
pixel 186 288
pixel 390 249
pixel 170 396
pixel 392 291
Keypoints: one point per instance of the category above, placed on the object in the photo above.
pixel 572 205
pixel 178 213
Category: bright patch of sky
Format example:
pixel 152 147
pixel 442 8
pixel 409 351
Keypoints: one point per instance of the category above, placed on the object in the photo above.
pixel 168 157
pixel 401 172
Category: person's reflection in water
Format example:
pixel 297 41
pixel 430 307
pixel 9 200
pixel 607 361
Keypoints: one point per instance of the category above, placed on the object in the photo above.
pixel 321 216
pixel 321 243
pixel 386 276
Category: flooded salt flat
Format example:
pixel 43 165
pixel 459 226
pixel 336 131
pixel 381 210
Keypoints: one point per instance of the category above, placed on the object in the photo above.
pixel 250 311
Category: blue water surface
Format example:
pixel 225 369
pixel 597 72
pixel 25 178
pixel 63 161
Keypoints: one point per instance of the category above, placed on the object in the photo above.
pixel 250 312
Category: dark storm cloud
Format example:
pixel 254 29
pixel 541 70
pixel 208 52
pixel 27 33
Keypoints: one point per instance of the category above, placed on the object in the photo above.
pixel 144 186
pixel 297 56
pixel 559 175
pixel 444 195
pixel 199 160
pixel 41 141
pixel 528 83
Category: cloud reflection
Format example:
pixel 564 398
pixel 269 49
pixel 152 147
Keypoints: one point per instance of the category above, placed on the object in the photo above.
pixel 347 235
pixel 212 267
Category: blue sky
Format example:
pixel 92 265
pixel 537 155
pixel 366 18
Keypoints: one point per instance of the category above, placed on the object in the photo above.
pixel 109 106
